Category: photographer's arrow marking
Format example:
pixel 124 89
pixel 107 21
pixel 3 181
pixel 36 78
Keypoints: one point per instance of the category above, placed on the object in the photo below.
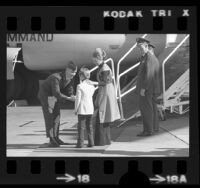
pixel 67 178
pixel 158 179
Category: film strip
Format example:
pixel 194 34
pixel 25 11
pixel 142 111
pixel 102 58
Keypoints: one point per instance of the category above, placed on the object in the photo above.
pixel 170 157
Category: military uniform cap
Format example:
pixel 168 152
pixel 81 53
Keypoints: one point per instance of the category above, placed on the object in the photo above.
pixel 151 45
pixel 141 40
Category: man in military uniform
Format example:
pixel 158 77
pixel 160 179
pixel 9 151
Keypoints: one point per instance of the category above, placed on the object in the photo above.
pixel 157 91
pixel 151 48
pixel 50 89
pixel 148 88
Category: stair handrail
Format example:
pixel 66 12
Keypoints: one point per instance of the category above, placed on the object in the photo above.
pixel 124 56
pixel 163 66
pixel 131 89
pixel 165 60
pixel 124 89
pixel 181 79
pixel 113 71
pixel 120 75
pixel 10 104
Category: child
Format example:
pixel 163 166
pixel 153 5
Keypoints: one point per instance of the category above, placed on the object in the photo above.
pixel 84 107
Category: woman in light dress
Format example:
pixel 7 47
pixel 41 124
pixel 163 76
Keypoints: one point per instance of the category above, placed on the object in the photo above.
pixel 106 101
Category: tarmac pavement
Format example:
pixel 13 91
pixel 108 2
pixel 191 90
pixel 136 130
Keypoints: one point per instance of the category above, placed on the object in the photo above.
pixel 26 137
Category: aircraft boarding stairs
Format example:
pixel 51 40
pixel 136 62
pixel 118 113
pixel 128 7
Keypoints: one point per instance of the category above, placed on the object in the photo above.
pixel 177 95
pixel 175 86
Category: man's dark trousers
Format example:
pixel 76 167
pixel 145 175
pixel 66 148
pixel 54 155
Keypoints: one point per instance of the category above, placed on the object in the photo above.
pixel 149 112
pixel 52 120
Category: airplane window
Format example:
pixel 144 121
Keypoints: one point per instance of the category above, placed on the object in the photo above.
pixel 19 45
pixel 13 45
pixel 114 46
pixel 171 38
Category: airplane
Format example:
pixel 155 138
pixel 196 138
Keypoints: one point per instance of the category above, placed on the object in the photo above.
pixel 32 57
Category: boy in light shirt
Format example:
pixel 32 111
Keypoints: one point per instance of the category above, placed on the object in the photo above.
pixel 84 107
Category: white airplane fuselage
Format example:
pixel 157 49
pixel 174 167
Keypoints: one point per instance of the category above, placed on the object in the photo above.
pixel 51 52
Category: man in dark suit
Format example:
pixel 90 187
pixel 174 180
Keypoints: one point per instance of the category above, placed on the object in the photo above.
pixel 51 97
pixel 148 88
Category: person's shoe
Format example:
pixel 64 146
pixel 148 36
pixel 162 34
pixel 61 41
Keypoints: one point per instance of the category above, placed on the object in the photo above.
pixel 90 146
pixel 141 133
pixel 59 141
pixel 79 146
pixel 52 145
pixel 144 134
pixel 54 140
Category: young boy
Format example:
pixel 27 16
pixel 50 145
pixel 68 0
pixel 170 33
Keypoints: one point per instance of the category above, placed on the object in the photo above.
pixel 84 107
